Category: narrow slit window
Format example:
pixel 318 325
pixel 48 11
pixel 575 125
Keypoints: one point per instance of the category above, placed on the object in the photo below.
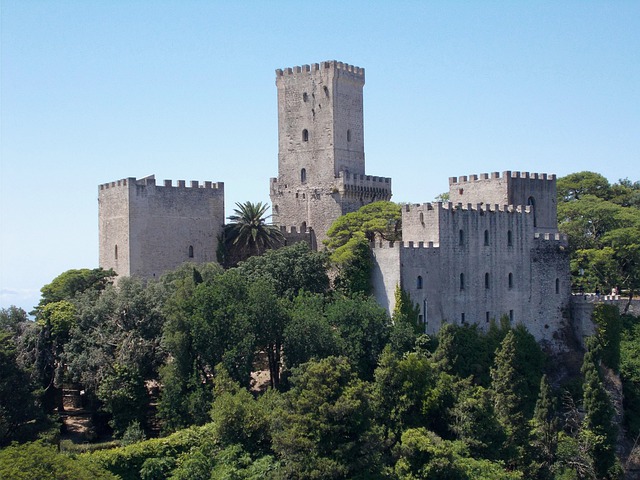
pixel 419 283
pixel 348 135
pixel 461 237
pixel 511 316
pixel 557 286
pixel 488 317
pixel 486 237
pixel 115 251
pixel 190 251
pixel 509 238
pixel 510 281
pixel 462 281
pixel 303 175
pixel 486 280
pixel 305 135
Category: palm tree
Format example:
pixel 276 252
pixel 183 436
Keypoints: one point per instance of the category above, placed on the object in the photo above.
pixel 248 233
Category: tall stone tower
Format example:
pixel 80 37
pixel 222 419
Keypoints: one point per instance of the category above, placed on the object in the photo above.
pixel 321 170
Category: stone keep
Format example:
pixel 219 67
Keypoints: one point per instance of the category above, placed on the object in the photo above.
pixel 147 229
pixel 321 168
pixel 476 262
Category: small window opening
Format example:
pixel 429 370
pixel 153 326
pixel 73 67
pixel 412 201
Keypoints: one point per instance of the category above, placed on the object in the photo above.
pixel 486 237
pixel 557 286
pixel 462 281
pixel 303 175
pixel 488 317
pixel 305 135
pixel 348 135
pixel 304 195
pixel 462 318
pixel 509 238
pixel 419 283
pixel 511 316
pixel 486 280
pixel 305 97
pixel 326 90
pixel 532 201
pixel 420 317
pixel 303 227
pixel 190 251
pixel 422 218
pixel 461 237
pixel 510 281
pixel 460 191
pixel 115 251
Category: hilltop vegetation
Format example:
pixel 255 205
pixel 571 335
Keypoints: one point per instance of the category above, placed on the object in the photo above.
pixel 269 370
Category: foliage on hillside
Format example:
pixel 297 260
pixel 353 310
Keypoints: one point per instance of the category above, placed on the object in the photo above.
pixel 351 392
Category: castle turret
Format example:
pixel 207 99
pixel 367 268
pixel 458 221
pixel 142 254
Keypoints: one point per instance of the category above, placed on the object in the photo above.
pixel 321 168
pixel 511 188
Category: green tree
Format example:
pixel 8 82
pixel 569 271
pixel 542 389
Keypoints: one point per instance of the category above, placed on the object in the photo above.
pixel 545 427
pixel 599 416
pixel 399 389
pixel 124 396
pixel 248 233
pixel 363 327
pixel 36 460
pixel 309 335
pixel 511 395
pixel 348 242
pixel 424 455
pixel 72 282
pixel 575 185
pixel 325 429
pixel 18 404
pixel 290 270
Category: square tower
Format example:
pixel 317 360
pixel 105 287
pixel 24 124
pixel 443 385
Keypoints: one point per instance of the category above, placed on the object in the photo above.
pixel 147 229
pixel 321 168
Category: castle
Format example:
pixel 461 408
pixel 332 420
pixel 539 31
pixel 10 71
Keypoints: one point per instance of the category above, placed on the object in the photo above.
pixel 492 250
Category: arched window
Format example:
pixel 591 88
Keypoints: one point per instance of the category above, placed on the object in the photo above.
pixel 532 201
pixel 303 227
pixel 303 175
pixel 305 135
pixel 461 237
pixel 510 280
pixel 509 238
pixel 419 283
pixel 190 251
pixel 462 281
pixel 486 280
pixel 348 135
pixel 486 237
pixel 557 286
pixel 115 251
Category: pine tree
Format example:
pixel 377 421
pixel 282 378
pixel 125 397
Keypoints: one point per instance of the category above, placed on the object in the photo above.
pixel 544 432
pixel 507 386
pixel 599 417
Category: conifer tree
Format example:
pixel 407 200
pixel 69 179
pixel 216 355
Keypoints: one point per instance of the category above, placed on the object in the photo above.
pixel 544 431
pixel 507 386
pixel 599 416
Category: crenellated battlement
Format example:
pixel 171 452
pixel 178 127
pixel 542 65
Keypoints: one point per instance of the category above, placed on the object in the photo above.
pixel 478 207
pixel 561 238
pixel 294 230
pixel 150 181
pixel 423 246
pixel 497 176
pixel 316 67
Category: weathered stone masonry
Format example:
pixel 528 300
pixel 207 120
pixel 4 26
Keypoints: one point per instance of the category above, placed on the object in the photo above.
pixel 148 229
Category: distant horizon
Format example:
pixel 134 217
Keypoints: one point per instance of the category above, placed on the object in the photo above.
pixel 95 92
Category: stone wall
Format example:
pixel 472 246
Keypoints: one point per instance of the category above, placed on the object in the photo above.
pixel 473 264
pixel 157 228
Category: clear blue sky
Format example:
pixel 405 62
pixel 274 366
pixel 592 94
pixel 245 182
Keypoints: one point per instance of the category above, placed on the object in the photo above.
pixel 95 91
